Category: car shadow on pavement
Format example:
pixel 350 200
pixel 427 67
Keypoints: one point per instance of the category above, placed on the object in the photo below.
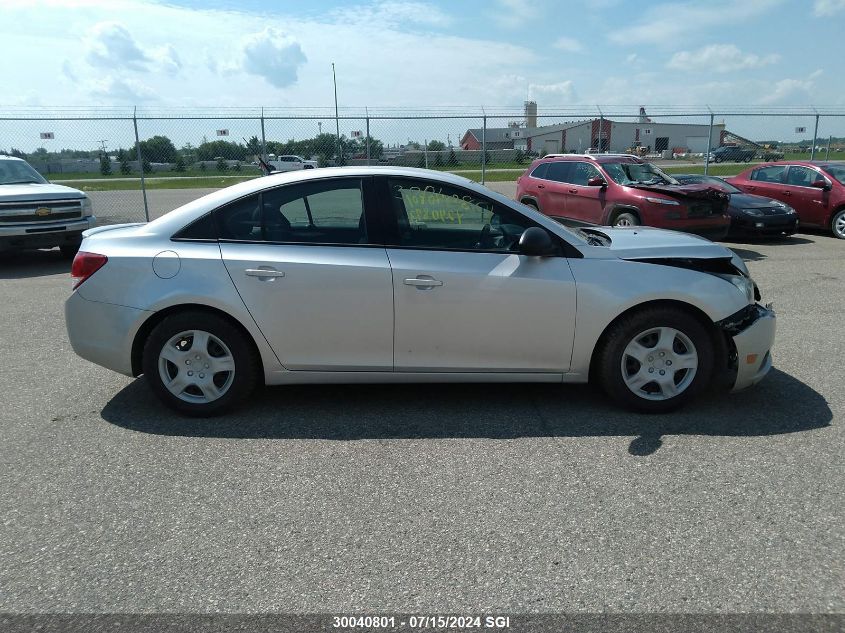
pixel 28 264
pixel 781 404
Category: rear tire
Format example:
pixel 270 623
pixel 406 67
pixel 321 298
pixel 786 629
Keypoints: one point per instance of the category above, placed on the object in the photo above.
pixel 837 224
pixel 664 339
pixel 200 364
pixel 626 219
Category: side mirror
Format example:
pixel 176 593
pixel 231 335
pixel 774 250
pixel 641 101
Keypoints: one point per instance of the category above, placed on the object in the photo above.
pixel 821 183
pixel 536 242
pixel 596 181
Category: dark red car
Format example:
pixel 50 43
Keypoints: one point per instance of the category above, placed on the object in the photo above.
pixel 814 189
pixel 621 190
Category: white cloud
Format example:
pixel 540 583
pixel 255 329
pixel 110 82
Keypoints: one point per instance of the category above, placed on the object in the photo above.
pixel 395 13
pixel 167 59
pixel 559 93
pixel 273 56
pixel 664 25
pixel 110 45
pixel 823 8
pixel 514 13
pixel 568 44
pixel 128 91
pixel 720 58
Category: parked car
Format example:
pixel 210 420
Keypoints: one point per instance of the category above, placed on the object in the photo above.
pixel 621 190
pixel 814 189
pixel 750 215
pixel 731 154
pixel 394 275
pixel 291 163
pixel 37 214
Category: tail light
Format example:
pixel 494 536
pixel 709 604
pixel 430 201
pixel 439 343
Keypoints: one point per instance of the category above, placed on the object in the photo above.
pixel 85 265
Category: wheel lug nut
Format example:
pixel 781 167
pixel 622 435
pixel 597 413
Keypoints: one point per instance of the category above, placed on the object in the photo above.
pixel 650 359
pixel 197 356
pixel 668 362
pixel 651 370
pixel 190 373
pixel 662 353
pixel 662 372
pixel 206 365
pixel 202 375
pixel 187 362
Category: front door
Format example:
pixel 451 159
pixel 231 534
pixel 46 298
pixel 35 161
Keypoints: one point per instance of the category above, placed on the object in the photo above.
pixel 584 203
pixel 302 260
pixel 465 300
pixel 812 203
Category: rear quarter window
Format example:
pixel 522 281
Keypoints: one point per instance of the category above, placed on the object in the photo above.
pixel 540 171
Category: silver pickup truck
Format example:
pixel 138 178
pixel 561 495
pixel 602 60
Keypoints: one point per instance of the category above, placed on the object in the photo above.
pixel 37 214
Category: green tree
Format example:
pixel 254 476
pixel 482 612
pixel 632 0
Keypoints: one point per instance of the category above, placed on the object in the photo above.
pixel 486 156
pixel 125 167
pixel 253 146
pixel 236 167
pixel 222 165
pixel 179 165
pixel 105 165
pixel 436 146
pixel 159 149
pixel 227 149
pixel 438 160
pixel 421 161
pixel 17 153
pixel 146 166
pixel 203 167
pixel 519 156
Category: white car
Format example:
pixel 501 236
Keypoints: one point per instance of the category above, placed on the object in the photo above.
pixel 363 274
pixel 37 214
pixel 291 163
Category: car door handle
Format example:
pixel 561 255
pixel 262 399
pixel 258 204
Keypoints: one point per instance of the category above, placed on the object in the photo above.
pixel 573 191
pixel 541 186
pixel 750 187
pixel 423 283
pixel 264 273
pixel 787 193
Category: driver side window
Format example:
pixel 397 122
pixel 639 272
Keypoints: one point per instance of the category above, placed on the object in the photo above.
pixel 435 216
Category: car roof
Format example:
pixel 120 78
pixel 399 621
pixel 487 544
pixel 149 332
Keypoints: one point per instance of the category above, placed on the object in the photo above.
pixel 597 158
pixel 7 157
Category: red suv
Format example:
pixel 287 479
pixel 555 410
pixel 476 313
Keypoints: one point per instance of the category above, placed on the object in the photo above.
pixel 814 189
pixel 621 190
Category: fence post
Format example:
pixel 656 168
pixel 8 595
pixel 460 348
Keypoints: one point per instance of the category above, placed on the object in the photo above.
pixel 368 138
pixel 601 125
pixel 140 163
pixel 709 145
pixel 483 148
pixel 829 139
pixel 263 139
pixel 425 151
pixel 815 135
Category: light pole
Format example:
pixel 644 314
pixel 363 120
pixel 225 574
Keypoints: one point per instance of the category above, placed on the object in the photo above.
pixel 319 127
pixel 336 117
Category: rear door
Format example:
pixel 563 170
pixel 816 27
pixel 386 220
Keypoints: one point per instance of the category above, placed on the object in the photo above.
pixel 308 265
pixel 465 300
pixel 769 181
pixel 557 188
pixel 584 203
pixel 811 203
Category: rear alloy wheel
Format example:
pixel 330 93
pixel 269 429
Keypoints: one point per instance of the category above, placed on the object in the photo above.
pixel 626 219
pixel 837 224
pixel 199 363
pixel 656 360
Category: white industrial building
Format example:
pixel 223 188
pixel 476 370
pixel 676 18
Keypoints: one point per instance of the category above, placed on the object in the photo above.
pixel 607 134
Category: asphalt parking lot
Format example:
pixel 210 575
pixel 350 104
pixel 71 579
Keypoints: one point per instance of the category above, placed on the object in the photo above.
pixel 523 498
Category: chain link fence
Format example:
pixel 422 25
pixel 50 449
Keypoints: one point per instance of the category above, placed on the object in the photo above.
pixel 139 164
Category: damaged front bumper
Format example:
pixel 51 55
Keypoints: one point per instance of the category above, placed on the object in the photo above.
pixel 752 334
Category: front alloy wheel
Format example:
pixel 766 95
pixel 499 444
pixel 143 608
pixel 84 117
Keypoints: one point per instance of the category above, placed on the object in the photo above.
pixel 837 225
pixel 656 359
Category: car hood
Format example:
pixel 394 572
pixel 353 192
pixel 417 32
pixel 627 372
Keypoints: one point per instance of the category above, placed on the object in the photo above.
pixel 37 191
pixel 695 191
pixel 645 242
pixel 750 201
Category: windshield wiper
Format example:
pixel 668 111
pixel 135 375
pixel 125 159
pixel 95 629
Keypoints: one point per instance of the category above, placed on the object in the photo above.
pixel 22 182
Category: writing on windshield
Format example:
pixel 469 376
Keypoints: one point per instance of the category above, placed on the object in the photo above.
pixel 637 174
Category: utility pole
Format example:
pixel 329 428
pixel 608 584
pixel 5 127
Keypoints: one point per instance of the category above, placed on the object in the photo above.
pixel 336 116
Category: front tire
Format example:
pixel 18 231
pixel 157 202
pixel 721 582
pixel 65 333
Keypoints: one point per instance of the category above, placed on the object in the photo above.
pixel 626 219
pixel 199 363
pixel 837 224
pixel 655 360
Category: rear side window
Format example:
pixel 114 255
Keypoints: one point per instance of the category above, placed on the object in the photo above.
pixel 559 172
pixel 540 171
pixel 774 173
pixel 200 229
pixel 318 212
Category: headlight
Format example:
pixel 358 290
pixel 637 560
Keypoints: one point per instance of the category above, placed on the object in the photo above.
pixel 782 205
pixel 744 285
pixel 674 203
pixel 87 207
pixel 754 212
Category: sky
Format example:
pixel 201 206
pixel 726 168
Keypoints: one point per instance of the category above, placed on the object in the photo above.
pixel 420 54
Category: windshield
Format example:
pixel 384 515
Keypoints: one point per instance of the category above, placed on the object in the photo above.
pixel 17 172
pixel 638 174
pixel 709 180
pixel 837 171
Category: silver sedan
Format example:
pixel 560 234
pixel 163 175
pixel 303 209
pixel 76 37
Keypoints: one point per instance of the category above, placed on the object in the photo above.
pixel 406 275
